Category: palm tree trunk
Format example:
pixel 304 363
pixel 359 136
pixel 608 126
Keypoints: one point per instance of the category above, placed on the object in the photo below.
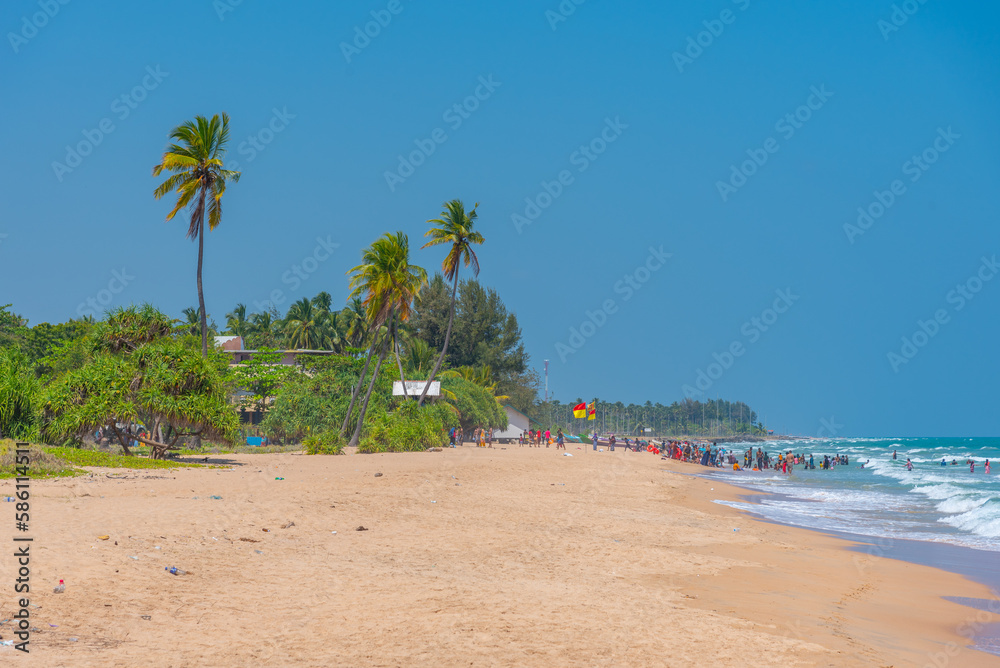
pixel 444 348
pixel 399 359
pixel 201 293
pixel 368 395
pixel 357 388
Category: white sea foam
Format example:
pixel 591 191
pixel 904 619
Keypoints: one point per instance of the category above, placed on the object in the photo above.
pixel 984 520
pixel 942 491
pixel 931 502
pixel 962 504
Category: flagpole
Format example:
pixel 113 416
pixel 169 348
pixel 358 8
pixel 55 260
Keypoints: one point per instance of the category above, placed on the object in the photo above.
pixel 594 432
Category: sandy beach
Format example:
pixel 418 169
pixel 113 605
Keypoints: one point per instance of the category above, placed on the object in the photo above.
pixel 471 557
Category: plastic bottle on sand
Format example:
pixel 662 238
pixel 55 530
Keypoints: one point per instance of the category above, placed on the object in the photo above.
pixel 59 588
pixel 173 570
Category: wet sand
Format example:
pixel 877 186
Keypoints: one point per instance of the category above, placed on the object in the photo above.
pixel 471 556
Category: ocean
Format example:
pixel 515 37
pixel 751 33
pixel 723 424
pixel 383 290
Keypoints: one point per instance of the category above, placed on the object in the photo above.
pixel 883 500
pixel 941 516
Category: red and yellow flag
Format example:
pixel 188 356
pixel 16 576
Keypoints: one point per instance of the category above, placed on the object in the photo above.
pixel 580 410
pixel 592 411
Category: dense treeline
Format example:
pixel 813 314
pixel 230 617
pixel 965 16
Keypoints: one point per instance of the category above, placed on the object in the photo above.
pixel 139 367
pixel 486 352
pixel 714 417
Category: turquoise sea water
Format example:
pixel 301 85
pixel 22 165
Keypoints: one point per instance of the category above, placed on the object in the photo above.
pixel 883 500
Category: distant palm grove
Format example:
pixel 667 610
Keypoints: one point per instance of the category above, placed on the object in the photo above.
pixel 141 381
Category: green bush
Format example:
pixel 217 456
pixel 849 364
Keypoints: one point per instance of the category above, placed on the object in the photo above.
pixel 325 443
pixel 475 405
pixel 19 397
pixel 410 428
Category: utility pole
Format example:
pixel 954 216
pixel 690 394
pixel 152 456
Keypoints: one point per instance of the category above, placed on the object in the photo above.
pixel 546 380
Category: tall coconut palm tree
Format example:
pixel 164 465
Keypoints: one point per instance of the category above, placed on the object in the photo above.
pixel 454 227
pixel 199 179
pixel 389 285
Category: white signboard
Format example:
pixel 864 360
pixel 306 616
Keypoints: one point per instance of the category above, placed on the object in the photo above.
pixel 415 387
pixel 648 429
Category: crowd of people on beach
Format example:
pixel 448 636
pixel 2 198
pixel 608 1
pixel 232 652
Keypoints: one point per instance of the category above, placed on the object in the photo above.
pixel 706 454
pixel 535 438
pixel 483 438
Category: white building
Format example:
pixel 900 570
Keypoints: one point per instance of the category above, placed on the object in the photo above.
pixel 517 425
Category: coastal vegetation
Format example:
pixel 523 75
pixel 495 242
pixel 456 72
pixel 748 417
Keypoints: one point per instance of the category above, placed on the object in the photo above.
pixel 138 380
pixel 63 382
pixel 138 374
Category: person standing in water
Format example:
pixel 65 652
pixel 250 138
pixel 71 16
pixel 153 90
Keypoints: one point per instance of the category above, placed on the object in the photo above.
pixel 972 466
pixel 909 464
pixel 893 454
pixel 987 467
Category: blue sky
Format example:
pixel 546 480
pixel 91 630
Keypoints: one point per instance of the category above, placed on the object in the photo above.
pixel 643 110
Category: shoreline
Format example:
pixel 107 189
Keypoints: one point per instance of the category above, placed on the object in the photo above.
pixel 947 641
pixel 977 565
pixel 511 556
